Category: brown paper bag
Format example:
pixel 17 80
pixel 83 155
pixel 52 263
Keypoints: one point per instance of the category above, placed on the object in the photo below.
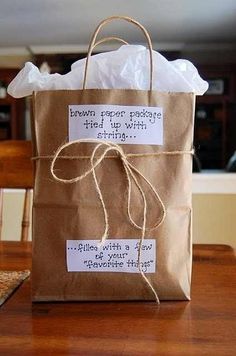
pixel 73 211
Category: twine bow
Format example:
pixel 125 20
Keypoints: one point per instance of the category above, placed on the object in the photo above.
pixel 132 174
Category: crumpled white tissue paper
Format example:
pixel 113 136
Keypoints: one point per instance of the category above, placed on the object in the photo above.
pixel 125 68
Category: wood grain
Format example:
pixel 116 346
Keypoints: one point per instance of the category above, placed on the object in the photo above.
pixel 204 326
pixel 16 167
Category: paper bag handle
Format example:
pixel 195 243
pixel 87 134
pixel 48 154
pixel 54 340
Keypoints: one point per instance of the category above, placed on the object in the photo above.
pixel 108 39
pixel 105 22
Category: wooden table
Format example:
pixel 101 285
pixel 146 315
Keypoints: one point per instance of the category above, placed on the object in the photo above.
pixel 204 326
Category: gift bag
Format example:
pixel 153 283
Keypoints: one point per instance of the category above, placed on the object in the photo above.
pixel 112 197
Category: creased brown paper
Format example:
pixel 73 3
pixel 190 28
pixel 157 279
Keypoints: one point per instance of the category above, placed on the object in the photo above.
pixel 73 211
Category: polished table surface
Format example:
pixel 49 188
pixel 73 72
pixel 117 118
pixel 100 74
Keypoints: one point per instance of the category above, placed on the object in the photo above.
pixel 204 326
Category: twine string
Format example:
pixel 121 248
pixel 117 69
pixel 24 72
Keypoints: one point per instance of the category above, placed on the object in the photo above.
pixel 132 174
pixel 129 173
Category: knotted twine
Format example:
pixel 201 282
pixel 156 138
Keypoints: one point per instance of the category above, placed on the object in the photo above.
pixel 131 172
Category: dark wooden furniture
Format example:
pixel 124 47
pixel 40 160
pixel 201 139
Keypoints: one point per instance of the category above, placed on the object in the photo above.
pixel 12 111
pixel 204 326
pixel 215 118
pixel 16 171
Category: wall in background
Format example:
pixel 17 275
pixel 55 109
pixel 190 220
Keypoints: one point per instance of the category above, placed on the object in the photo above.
pixel 12 214
pixel 214 218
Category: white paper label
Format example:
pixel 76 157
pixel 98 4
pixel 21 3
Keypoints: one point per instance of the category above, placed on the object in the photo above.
pixel 116 123
pixel 116 255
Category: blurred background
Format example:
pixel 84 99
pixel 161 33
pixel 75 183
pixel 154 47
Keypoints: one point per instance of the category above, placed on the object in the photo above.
pixel 54 33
